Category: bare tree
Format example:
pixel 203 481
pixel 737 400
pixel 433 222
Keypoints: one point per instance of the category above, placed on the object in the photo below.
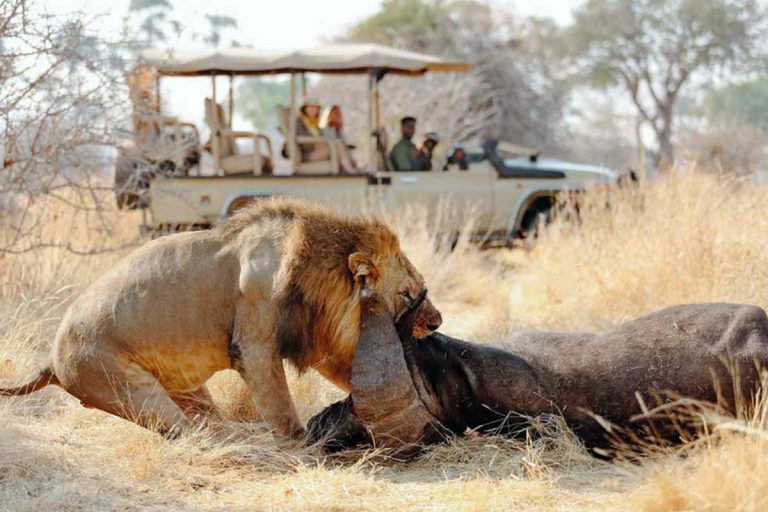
pixel 511 57
pixel 63 106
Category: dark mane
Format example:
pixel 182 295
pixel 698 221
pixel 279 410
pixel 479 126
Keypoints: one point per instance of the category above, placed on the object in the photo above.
pixel 318 286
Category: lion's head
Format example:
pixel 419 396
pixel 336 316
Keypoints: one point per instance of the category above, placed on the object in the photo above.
pixel 332 258
pixel 401 285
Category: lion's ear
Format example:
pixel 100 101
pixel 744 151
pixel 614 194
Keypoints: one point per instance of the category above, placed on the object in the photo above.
pixel 362 267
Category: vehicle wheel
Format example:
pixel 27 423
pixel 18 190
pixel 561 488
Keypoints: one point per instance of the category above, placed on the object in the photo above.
pixel 533 222
pixel 538 215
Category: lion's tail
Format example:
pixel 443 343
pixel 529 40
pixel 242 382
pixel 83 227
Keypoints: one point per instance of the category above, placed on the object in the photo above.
pixel 45 376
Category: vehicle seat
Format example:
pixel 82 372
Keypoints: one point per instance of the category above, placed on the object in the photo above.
pixel 224 150
pixel 159 138
pixel 330 166
pixel 383 162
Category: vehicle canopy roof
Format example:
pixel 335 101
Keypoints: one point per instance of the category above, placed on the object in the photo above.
pixel 333 58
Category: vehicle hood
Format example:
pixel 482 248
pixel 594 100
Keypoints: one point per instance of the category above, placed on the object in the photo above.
pixel 582 172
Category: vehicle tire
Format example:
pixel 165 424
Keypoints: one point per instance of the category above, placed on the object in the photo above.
pixel 538 214
pixel 533 220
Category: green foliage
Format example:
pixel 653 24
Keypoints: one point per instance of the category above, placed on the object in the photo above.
pixel 614 39
pixel 415 24
pixel 154 21
pixel 257 99
pixel 221 21
pixel 218 24
pixel 746 102
pixel 653 48
pixel 140 5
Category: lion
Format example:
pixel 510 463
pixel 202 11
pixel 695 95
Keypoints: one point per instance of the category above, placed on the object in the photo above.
pixel 278 281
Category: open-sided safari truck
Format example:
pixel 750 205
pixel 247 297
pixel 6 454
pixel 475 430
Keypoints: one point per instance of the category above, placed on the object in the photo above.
pixel 506 187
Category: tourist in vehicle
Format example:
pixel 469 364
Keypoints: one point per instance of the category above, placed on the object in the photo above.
pixel 426 148
pixel 332 124
pixel 405 156
pixel 309 126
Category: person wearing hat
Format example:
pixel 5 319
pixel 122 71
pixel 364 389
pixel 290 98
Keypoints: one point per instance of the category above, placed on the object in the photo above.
pixel 431 139
pixel 405 156
pixel 309 125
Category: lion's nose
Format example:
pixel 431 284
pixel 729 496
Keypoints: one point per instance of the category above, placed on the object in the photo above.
pixel 435 324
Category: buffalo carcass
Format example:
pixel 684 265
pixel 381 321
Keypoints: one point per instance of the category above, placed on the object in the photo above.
pixel 408 392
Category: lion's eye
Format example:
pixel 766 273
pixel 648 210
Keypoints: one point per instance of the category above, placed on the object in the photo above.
pixel 407 297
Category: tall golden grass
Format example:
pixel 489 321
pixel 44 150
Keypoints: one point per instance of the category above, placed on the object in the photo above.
pixel 688 237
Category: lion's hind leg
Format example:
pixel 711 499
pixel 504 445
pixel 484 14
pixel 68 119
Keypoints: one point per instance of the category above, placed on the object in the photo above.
pixel 130 392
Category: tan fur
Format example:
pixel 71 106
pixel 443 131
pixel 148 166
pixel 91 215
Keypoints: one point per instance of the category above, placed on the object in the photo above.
pixel 279 280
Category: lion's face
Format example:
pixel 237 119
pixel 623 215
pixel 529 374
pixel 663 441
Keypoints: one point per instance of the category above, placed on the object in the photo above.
pixel 400 284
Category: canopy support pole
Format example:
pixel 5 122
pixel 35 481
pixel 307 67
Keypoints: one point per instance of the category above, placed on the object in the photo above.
pixel 304 85
pixel 372 99
pixel 293 114
pixel 374 119
pixel 157 93
pixel 231 100
pixel 215 147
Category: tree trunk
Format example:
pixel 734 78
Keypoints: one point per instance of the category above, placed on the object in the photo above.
pixel 665 157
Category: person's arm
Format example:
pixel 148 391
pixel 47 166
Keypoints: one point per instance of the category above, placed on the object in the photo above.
pixel 301 128
pixel 422 162
pixel 424 157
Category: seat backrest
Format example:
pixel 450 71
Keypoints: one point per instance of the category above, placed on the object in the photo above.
pixel 383 162
pixel 323 167
pixel 284 117
pixel 216 120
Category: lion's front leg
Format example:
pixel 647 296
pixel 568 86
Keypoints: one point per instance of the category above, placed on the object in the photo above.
pixel 262 370
pixel 253 348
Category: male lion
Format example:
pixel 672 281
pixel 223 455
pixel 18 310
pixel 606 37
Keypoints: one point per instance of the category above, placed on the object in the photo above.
pixel 280 279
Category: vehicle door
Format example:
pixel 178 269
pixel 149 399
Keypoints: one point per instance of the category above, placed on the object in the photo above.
pixel 453 198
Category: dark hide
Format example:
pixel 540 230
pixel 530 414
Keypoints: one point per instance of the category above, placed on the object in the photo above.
pixel 708 352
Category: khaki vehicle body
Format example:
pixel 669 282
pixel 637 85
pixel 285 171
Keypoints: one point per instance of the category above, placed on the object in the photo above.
pixel 494 203
pixel 500 187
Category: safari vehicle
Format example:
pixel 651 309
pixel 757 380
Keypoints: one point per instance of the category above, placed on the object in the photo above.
pixel 506 187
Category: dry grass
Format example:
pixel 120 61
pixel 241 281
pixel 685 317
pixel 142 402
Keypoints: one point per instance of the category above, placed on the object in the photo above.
pixel 688 238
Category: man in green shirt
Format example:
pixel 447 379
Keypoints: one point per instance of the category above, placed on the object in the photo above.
pixel 405 156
